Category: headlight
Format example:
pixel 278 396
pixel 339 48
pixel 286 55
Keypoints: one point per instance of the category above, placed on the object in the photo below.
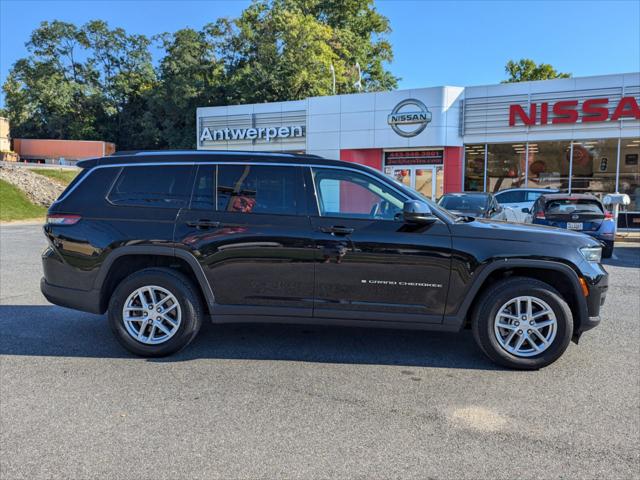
pixel 591 254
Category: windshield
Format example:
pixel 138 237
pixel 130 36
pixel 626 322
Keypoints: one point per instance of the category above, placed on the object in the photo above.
pixel 465 203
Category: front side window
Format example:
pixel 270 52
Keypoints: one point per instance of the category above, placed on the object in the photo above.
pixel 257 189
pixel 162 186
pixel 344 193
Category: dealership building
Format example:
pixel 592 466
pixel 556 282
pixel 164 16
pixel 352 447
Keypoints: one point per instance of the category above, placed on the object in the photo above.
pixel 576 134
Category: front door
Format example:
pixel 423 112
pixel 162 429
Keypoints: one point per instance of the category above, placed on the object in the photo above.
pixel 248 228
pixel 426 179
pixel 370 264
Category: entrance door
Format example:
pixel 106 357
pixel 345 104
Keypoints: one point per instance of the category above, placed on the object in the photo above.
pixel 426 179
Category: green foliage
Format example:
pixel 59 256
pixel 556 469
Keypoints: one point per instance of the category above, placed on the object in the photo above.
pixel 93 82
pixel 526 70
pixel 63 176
pixel 14 205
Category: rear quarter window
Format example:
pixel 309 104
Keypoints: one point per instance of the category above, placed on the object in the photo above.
pixel 161 187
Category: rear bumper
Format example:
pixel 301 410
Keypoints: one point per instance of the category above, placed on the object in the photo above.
pixel 87 301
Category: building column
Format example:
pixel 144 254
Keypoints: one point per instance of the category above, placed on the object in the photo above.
pixel 453 169
pixel 371 157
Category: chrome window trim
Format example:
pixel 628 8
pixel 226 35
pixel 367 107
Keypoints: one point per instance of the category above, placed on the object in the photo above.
pixel 272 164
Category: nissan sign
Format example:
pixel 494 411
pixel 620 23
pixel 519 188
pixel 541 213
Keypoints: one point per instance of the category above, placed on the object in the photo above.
pixel 412 113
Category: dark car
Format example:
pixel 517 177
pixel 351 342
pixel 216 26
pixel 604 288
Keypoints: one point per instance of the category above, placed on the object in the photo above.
pixel 472 204
pixel 580 212
pixel 163 240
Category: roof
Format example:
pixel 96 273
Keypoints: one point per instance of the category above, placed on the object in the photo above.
pixel 195 156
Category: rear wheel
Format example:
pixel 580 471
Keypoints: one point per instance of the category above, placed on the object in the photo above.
pixel 607 250
pixel 155 312
pixel 522 323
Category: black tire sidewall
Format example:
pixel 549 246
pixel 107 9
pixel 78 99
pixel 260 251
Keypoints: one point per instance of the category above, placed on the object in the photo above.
pixel 180 287
pixel 484 324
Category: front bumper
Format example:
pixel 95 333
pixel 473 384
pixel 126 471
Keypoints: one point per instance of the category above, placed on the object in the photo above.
pixel 87 301
pixel 598 288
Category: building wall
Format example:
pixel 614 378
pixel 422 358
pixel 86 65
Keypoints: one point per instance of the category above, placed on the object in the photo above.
pixel 56 149
pixel 5 142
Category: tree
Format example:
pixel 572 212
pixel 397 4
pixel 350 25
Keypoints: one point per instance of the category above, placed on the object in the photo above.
pixel 285 49
pixel 526 70
pixel 94 82
pixel 80 83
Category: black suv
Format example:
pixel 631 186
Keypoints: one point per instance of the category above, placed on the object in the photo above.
pixel 162 240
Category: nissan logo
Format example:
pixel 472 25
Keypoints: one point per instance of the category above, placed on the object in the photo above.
pixel 575 216
pixel 409 112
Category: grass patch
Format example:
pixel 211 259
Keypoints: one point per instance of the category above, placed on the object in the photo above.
pixel 14 205
pixel 63 176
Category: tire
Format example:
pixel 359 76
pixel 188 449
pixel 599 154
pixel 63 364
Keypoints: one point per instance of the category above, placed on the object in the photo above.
pixel 181 321
pixel 607 250
pixel 487 335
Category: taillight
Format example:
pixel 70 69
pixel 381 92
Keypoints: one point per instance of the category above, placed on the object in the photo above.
pixel 608 215
pixel 540 215
pixel 62 219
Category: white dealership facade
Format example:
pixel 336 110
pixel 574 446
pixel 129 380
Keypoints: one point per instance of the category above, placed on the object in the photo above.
pixel 578 134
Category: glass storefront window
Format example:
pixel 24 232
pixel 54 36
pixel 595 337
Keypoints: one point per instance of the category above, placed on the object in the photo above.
pixel 549 165
pixel 505 166
pixel 629 181
pixel 474 168
pixel 594 166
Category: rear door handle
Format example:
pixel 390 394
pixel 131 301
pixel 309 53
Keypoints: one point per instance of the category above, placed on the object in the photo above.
pixel 203 223
pixel 337 229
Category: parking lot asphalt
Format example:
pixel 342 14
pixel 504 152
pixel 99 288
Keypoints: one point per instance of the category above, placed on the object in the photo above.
pixel 247 401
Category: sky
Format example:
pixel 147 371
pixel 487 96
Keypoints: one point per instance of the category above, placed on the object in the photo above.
pixel 435 43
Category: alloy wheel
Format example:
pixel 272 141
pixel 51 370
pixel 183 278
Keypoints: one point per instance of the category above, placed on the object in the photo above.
pixel 151 315
pixel 525 326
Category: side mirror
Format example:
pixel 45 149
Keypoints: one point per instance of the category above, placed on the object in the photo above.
pixel 525 210
pixel 414 211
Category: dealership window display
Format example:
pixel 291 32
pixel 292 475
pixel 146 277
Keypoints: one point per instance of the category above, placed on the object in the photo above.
pixel 629 179
pixel 594 166
pixel 505 166
pixel 549 165
pixel 474 168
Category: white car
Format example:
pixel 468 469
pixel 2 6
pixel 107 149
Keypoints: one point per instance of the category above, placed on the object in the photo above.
pixel 518 199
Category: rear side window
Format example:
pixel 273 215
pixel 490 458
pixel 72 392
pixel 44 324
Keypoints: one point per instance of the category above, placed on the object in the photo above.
pixel 532 196
pixel 515 196
pixel 162 186
pixel 257 189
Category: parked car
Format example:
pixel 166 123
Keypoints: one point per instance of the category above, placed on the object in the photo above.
pixel 521 200
pixel 580 212
pixel 163 240
pixel 473 204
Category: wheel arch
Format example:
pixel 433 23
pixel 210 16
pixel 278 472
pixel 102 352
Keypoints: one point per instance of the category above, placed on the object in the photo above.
pixel 129 259
pixel 558 275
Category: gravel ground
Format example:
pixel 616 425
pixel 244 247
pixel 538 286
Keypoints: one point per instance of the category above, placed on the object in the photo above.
pixel 39 189
pixel 307 402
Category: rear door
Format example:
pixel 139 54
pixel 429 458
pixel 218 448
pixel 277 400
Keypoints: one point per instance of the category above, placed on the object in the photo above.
pixel 584 215
pixel 247 226
pixel 371 265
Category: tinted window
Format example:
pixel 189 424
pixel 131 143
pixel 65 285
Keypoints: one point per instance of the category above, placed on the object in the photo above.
pixel 343 193
pixel 163 186
pixel 515 196
pixel 204 188
pixel 257 189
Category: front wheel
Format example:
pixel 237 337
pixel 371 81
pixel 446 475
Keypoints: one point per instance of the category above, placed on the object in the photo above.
pixel 155 312
pixel 522 323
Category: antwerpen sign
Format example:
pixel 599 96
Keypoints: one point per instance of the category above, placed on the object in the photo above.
pixel 567 111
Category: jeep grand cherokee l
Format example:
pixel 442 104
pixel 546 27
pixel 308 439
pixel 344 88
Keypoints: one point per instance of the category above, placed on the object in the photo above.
pixel 163 240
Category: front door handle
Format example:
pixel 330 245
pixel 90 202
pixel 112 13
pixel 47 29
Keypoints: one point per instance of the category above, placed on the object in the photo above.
pixel 337 230
pixel 203 223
